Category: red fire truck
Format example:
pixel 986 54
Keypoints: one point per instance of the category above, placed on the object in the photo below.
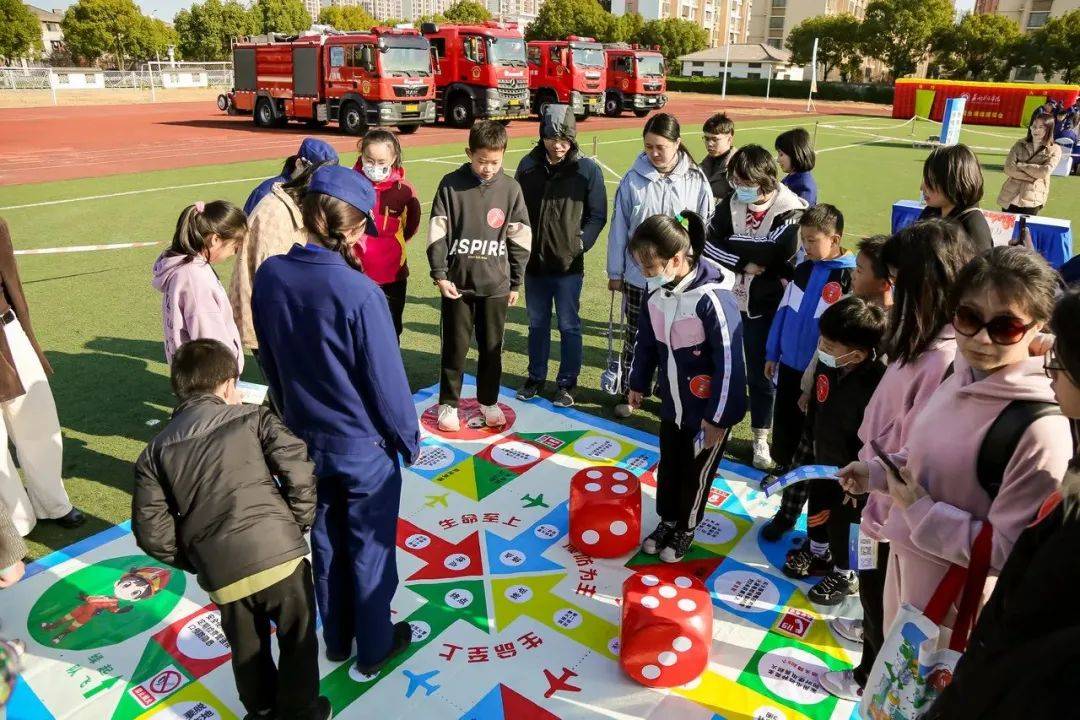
pixel 635 79
pixel 479 72
pixel 359 79
pixel 571 72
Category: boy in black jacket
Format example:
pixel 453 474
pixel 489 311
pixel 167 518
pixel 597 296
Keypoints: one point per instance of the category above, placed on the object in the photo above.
pixel 478 245
pixel 225 491
pixel 848 372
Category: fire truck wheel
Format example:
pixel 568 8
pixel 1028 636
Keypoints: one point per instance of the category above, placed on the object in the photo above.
pixel 222 102
pixel 407 129
pixel 612 105
pixel 264 113
pixel 460 113
pixel 352 119
pixel 641 113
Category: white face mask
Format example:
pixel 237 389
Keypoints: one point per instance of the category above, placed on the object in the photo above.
pixel 833 361
pixel 658 281
pixel 376 173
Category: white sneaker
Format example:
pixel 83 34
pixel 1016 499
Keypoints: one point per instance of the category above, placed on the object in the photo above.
pixel 448 419
pixel 493 415
pixel 848 629
pixel 623 410
pixel 762 458
pixel 841 683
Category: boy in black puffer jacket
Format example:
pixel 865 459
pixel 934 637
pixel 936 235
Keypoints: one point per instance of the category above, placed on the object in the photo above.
pixel 225 491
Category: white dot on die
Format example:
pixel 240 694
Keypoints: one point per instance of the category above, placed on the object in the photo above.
pixel 618 528
pixel 681 644
pixel 592 487
pixel 650 580
pixel 619 489
pixel 590 537
pixel 650 672
pixel 594 474
pixel 650 602
pixel 667 659
pixel 683 582
pixel 687 605
pixel 620 476
pixel 668 592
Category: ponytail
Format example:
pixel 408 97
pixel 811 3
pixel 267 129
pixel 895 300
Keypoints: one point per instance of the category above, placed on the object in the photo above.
pixel 199 221
pixel 663 237
pixel 296 188
pixel 329 218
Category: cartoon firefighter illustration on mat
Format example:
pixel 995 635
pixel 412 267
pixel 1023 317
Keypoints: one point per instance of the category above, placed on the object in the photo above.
pixel 138 583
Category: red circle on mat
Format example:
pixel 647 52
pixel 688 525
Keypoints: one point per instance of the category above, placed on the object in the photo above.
pixel 472 422
pixel 832 292
pixel 822 385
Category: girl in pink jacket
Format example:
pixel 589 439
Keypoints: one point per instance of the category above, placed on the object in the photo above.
pixel 1000 302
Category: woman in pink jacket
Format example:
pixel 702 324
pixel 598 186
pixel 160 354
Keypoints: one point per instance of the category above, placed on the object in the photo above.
pixel 1000 302
pixel 924 260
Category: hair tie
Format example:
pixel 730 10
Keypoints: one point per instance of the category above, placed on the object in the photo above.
pixel 199 206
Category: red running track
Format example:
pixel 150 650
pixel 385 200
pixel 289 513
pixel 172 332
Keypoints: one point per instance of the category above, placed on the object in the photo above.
pixel 63 143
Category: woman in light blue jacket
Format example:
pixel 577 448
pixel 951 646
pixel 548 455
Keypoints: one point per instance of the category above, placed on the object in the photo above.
pixel 664 180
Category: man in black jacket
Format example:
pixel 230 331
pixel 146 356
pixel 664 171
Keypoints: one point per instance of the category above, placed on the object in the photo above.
pixel 225 491
pixel 567 204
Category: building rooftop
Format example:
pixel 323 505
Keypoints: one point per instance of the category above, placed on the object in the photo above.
pixel 750 52
pixel 46 15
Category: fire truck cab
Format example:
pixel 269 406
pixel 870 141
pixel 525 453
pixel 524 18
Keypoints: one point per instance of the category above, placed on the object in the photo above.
pixel 636 79
pixel 571 72
pixel 480 72
pixel 380 77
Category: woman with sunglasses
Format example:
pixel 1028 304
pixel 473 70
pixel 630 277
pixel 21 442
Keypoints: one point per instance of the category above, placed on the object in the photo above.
pixel 1000 302
pixel 1022 655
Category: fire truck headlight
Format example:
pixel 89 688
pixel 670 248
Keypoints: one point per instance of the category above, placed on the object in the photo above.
pixel 386 112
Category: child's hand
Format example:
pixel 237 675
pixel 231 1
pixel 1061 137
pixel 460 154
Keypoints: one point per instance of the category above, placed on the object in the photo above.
pixel 615 285
pixel 12 575
pixel 1041 344
pixel 855 478
pixel 634 399
pixel 448 289
pixel 512 300
pixel 904 490
pixel 804 402
pixel 770 369
pixel 712 434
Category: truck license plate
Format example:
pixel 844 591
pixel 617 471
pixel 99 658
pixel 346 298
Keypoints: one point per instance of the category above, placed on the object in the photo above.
pixel 413 107
pixel 514 102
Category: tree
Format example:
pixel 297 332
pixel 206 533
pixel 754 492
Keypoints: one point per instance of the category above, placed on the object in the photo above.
pixel 150 39
pixel 979 47
pixel 675 37
pixel 206 30
pixel 1055 47
pixel 281 16
pixel 351 17
pixel 900 32
pixel 560 18
pixel 19 31
pixel 838 42
pixel 466 12
pixel 626 28
pixel 93 28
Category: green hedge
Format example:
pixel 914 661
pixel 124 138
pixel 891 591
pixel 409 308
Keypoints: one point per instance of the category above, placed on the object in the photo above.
pixel 882 94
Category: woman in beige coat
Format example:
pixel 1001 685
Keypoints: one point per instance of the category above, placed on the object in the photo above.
pixel 1028 168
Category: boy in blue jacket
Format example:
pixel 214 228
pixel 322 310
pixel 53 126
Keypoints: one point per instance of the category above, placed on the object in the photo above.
pixel 820 280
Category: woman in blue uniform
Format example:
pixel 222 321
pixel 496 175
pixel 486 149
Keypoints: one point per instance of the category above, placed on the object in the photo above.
pixel 330 353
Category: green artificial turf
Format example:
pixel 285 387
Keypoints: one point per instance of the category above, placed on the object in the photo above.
pixel 100 321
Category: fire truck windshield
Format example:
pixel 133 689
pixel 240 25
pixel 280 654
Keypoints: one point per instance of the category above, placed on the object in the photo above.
pixel 587 56
pixel 650 65
pixel 507 52
pixel 406 60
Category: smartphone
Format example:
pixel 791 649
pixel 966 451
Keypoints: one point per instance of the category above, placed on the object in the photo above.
pixel 885 459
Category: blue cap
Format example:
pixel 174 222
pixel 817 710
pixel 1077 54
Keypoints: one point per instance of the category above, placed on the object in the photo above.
pixel 348 186
pixel 316 151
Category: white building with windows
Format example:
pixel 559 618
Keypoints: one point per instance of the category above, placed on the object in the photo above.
pixel 753 61
pixel 52 34
pixel 1029 15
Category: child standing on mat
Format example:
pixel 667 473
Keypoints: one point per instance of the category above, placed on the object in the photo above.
pixel 225 491
pixel 691 331
pixel 848 372
pixel 479 243
pixel 820 281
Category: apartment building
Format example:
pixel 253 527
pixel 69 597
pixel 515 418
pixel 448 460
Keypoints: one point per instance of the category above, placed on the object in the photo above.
pixel 726 20
pixel 52 35
pixel 772 20
pixel 1029 15
pixel 313 7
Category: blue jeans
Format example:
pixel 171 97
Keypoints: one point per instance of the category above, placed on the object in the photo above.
pixel 755 335
pixel 564 291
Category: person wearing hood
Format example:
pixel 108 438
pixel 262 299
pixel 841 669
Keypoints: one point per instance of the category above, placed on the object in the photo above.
pixel 1022 655
pixel 946 492
pixel 194 303
pixel 755 233
pixel 397 217
pixel 567 204
pixel 664 180
pixel 1028 167
pixel 312 152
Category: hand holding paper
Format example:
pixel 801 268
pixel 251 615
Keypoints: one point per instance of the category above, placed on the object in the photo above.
pixel 772 485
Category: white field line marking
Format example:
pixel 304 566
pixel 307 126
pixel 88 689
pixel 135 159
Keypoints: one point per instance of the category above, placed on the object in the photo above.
pixel 84 248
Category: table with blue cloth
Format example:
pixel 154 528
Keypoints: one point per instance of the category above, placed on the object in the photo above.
pixel 1052 237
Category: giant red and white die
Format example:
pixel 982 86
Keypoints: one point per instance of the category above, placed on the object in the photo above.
pixel 667 620
pixel 605 511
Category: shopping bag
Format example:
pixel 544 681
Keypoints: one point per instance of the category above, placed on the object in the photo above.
pixel 611 378
pixel 910 670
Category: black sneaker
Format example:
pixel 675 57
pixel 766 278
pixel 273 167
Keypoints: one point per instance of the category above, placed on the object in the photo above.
pixel 774 530
pixel 658 539
pixel 677 547
pixel 834 587
pixel 530 389
pixel 339 656
pixel 563 398
pixel 801 563
pixel 402 640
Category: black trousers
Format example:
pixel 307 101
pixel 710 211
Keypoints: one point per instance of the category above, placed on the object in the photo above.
pixel 486 316
pixel 683 479
pixel 788 422
pixel 830 514
pixel 292 687
pixel 872 595
pixel 1023 210
pixel 395 293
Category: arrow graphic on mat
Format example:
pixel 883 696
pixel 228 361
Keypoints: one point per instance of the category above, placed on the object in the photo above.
pixel 443 559
pixel 523 553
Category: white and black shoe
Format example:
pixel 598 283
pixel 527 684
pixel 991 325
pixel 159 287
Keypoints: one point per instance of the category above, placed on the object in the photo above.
pixel 530 389
pixel 563 398
pixel 658 538
pixel 834 588
pixel 842 684
pixel 677 547
pixel 848 628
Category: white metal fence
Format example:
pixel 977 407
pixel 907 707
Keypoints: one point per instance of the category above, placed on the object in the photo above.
pixel 150 76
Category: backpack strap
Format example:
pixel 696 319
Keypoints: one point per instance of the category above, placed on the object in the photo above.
pixel 948 372
pixel 1004 435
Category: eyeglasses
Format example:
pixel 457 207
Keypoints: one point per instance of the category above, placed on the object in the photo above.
pixel 1003 329
pixel 1051 365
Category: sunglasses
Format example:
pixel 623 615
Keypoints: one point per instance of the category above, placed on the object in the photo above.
pixel 1052 366
pixel 1002 329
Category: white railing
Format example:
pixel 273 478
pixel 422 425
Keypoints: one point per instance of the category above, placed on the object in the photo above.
pixel 152 75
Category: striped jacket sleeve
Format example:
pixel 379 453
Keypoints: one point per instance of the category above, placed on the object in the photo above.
pixel 719 314
pixel 518 236
pixel 438 244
